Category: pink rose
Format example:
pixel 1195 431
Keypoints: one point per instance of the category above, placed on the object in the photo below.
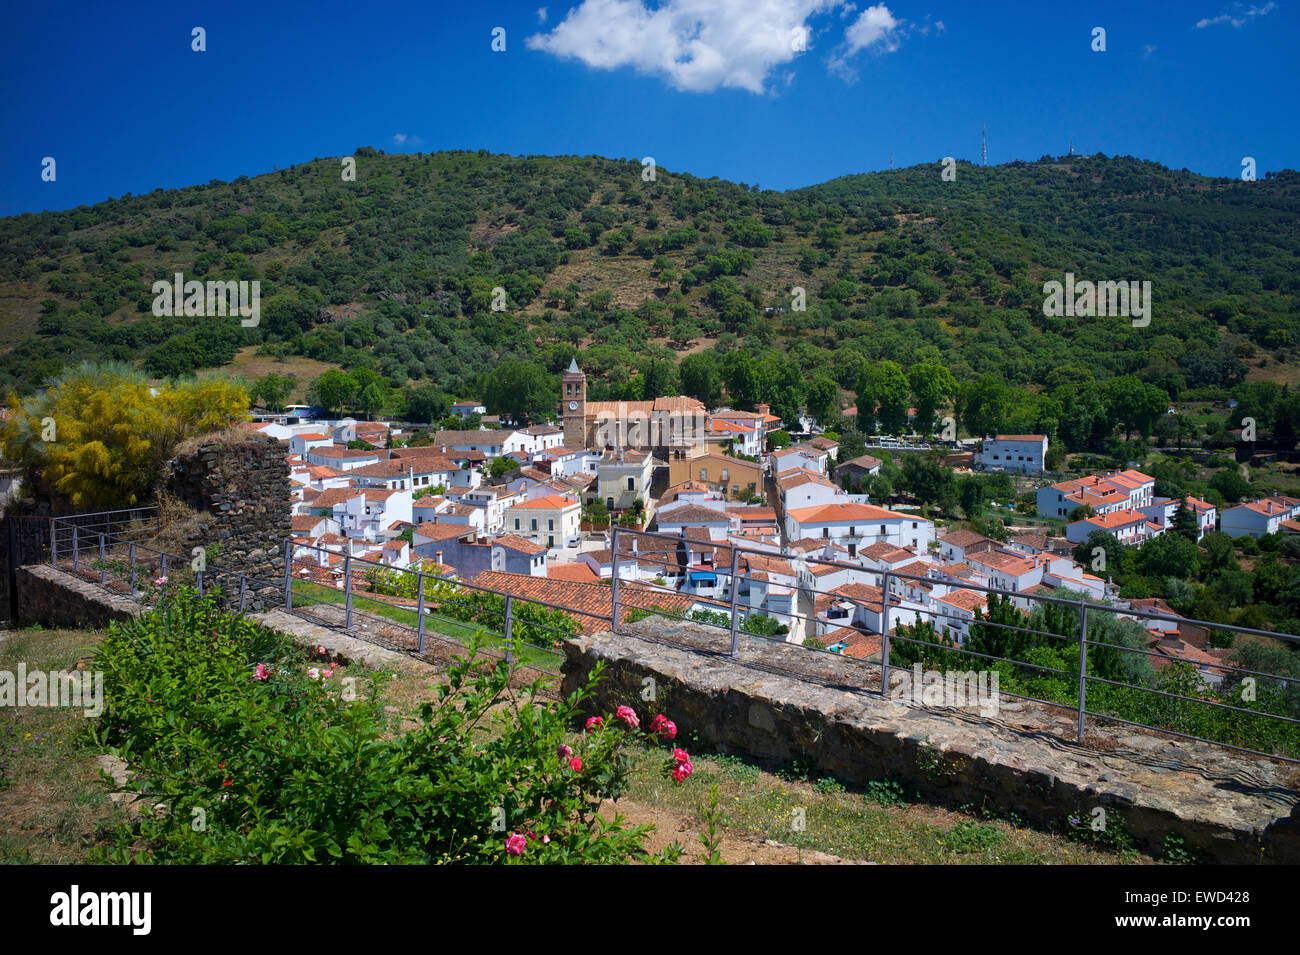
pixel 628 716
pixel 576 764
pixel 594 722
pixel 262 672
pixel 314 673
pixel 515 844
pixel 563 751
pixel 663 726
pixel 682 770
pixel 681 756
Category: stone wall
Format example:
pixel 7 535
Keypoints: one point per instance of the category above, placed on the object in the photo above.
pixel 1231 807
pixel 54 598
pixel 241 489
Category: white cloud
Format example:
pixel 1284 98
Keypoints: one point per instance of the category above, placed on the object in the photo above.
pixel 696 45
pixel 399 138
pixel 1237 17
pixel 541 14
pixel 876 29
pixel 404 139
pixel 1148 50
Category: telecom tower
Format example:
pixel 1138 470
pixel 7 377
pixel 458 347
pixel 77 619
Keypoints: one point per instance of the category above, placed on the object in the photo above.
pixel 984 147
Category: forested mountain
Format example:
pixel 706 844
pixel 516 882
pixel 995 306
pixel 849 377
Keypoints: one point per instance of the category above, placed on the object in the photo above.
pixel 396 271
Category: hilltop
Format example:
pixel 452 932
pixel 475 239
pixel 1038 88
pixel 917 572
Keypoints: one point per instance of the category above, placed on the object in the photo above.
pixel 396 270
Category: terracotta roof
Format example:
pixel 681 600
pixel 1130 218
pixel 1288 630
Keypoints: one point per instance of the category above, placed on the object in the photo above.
pixel 692 513
pixel 1021 437
pixel 585 602
pixel 311 436
pixel 963 538
pixel 521 544
pixel 825 513
pixel 965 599
pixel 342 454
pixel 434 531
pixel 580 572
pixel 882 550
pixel 302 523
pixel 863 461
pixel 550 502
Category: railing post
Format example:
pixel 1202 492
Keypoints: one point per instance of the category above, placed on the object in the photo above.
pixel 288 574
pixel 162 566
pixel 243 592
pixel 735 601
pixel 54 542
pixel 76 549
pixel 130 559
pixel 1083 660
pixel 103 562
pixel 509 633
pixel 615 618
pixel 419 611
pixel 347 588
pixel 884 633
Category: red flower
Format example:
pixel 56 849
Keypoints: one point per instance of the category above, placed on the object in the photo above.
pixel 595 722
pixel 576 764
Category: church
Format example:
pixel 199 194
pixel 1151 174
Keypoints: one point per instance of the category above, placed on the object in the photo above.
pixel 669 428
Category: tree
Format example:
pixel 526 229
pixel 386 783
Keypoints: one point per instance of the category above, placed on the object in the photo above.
pixel 1185 522
pixel 929 481
pixel 520 390
pixel 1100 553
pixel 970 494
pixel 335 388
pixel 932 386
pixel 984 405
pixel 824 400
pixel 1169 555
pixel 274 389
pixel 701 377
pixel 1231 485
pixel 882 398
pixel 425 404
pixel 501 466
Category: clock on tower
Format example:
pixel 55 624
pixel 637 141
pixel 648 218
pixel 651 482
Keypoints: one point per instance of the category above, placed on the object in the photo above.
pixel 573 387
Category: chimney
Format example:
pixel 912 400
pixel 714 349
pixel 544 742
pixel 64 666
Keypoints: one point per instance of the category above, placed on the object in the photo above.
pixel 437 556
pixel 763 409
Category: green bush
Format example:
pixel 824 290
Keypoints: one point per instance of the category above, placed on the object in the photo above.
pixel 242 753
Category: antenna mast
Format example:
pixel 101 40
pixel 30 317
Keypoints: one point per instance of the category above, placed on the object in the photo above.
pixel 984 146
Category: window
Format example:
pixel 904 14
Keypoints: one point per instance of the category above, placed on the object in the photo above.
pixel 550 524
pixel 826 532
pixel 516 523
pixel 533 524
pixel 631 484
pixel 725 476
pixel 704 474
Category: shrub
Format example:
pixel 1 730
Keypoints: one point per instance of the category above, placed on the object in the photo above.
pixel 247 755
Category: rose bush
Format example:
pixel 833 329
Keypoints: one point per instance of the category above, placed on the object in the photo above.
pixel 219 718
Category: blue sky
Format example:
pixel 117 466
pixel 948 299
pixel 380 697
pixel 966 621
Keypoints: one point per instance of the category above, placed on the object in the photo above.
pixel 115 94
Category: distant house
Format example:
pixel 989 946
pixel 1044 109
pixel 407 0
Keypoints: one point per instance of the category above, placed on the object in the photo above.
pixel 464 409
pixel 1022 453
pixel 857 468
pixel 1268 515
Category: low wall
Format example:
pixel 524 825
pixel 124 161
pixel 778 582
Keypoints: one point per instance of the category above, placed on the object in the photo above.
pixel 54 598
pixel 1232 808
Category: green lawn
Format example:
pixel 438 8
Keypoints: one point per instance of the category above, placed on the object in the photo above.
pixel 307 592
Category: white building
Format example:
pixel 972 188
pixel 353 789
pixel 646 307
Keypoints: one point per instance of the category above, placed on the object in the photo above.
pixel 855 525
pixel 1022 453
pixel 1257 518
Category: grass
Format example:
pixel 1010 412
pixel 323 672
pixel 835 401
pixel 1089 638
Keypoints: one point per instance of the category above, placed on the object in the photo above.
pixel 822 814
pixel 53 807
pixel 312 593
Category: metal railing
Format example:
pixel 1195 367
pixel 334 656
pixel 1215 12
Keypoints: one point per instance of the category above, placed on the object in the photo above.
pixel 93 543
pixel 891 605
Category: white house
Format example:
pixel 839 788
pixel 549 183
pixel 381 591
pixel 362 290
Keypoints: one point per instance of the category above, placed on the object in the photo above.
pixel 1023 453
pixel 1257 518
pixel 856 525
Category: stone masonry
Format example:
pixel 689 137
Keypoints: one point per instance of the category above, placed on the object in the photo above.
pixel 1232 807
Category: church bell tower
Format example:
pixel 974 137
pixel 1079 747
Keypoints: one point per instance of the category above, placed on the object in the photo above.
pixel 573 399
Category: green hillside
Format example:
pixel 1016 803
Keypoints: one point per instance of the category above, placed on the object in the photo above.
pixel 396 270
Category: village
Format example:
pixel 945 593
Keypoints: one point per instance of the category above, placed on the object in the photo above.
pixel 534 511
